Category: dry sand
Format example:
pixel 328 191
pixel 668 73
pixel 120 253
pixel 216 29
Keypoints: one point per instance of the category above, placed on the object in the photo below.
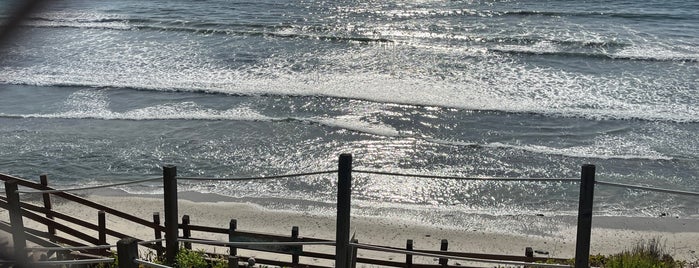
pixel 609 235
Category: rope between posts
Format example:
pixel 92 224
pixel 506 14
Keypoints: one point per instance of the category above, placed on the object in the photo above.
pixel 87 188
pixel 257 178
pixel 243 244
pixel 408 252
pixel 654 189
pixel 72 248
pixel 376 173
pixel 467 178
pixel 150 264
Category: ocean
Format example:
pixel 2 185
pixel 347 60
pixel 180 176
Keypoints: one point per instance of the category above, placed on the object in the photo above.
pixel 98 92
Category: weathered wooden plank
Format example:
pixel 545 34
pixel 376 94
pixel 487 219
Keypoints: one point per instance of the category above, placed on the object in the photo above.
pixel 186 232
pixel 14 207
pixel 82 201
pixel 158 235
pixel 68 218
pixel 44 181
pixel 285 249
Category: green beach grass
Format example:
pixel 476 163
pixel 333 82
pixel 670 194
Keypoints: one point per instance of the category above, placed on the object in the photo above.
pixel 645 254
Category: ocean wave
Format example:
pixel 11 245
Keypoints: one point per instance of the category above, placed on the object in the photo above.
pixel 360 90
pixel 509 45
pixel 610 150
pixel 568 43
pixel 171 112
pixel 93 104
pixel 160 112
pixel 445 12
pixel 624 15
pixel 659 57
pixel 276 31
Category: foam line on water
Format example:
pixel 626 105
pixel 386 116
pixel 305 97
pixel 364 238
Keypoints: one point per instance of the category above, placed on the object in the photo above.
pixel 605 148
pixel 482 95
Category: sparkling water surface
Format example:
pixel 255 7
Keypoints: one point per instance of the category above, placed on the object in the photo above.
pixel 95 92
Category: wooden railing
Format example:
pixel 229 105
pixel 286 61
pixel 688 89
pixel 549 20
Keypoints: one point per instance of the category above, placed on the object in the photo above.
pixel 47 216
pixel 345 250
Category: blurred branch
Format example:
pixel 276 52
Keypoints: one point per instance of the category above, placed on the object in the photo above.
pixel 23 9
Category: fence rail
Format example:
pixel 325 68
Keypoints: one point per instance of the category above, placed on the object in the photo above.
pixel 345 249
pixel 451 257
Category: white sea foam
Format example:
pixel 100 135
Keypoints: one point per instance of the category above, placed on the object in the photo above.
pixel 532 91
pixel 609 150
pixel 411 73
pixel 94 104
pixel 79 20
pixel 355 123
pixel 602 148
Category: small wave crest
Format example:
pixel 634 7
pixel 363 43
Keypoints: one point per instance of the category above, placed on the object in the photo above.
pixel 624 15
pixel 629 53
pixel 97 21
pixel 481 97
pixel 93 104
pixel 605 149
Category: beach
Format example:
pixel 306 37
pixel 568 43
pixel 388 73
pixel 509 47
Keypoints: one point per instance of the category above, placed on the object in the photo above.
pixel 466 120
pixel 680 237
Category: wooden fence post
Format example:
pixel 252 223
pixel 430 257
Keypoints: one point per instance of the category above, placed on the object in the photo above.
pixel 408 257
pixel 353 254
pixel 529 254
pixel 186 232
pixel 102 230
pixel 344 193
pixel 15 209
pixel 294 237
pixel 127 252
pixel 44 180
pixel 232 226
pixel 232 261
pixel 587 191
pixel 158 235
pixel 443 247
pixel 170 199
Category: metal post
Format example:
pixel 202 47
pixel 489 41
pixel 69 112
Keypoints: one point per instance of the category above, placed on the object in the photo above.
pixel 344 193
pixel 587 191
pixel 15 209
pixel 44 179
pixel 170 199
pixel 158 235
pixel 408 257
pixel 294 237
pixel 186 232
pixel 127 252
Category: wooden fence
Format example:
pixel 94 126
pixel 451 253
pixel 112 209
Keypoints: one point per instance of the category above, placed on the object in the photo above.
pixel 345 254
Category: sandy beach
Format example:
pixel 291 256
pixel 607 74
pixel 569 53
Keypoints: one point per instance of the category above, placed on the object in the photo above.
pixel 609 235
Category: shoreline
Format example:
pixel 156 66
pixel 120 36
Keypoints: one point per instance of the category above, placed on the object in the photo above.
pixel 610 234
